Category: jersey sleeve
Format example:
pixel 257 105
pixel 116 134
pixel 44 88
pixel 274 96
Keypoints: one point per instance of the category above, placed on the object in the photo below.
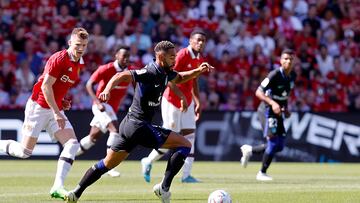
pixel 267 82
pixel 53 67
pixel 142 75
pixel 180 62
pixel 172 75
pixel 96 76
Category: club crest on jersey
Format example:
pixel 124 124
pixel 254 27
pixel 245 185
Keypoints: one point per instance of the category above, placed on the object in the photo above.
pixel 70 69
pixel 141 71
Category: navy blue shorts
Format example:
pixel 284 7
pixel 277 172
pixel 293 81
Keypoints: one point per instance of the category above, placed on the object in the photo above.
pixel 135 132
pixel 271 124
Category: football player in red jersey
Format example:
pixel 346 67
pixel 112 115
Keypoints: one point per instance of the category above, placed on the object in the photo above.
pixel 45 109
pixel 105 118
pixel 181 111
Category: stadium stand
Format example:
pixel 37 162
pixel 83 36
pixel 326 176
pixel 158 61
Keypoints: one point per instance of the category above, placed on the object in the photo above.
pixel 245 39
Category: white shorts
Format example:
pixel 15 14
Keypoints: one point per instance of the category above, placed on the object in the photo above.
pixel 176 120
pixel 38 118
pixel 102 119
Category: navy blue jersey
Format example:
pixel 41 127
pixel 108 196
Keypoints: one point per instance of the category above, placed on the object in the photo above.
pixel 151 83
pixel 277 86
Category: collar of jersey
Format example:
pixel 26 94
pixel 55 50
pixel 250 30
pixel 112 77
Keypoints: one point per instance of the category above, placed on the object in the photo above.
pixel 192 53
pixel 117 66
pixel 158 68
pixel 283 73
pixel 81 61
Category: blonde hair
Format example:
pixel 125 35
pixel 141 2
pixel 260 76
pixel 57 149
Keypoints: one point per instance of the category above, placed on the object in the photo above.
pixel 80 32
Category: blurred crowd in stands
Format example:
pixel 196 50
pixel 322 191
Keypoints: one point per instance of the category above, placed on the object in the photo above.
pixel 245 39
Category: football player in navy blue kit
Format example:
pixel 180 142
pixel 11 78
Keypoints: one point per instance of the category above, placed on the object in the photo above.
pixel 136 128
pixel 274 92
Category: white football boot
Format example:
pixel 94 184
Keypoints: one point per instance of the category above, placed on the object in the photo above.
pixel 70 197
pixel 263 177
pixel 246 151
pixel 113 173
pixel 161 194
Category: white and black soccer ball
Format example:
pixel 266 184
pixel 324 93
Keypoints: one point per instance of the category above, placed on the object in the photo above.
pixel 219 196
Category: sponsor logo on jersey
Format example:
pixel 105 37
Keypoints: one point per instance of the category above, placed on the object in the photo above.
pixel 66 78
pixel 141 71
pixel 151 103
pixel 70 69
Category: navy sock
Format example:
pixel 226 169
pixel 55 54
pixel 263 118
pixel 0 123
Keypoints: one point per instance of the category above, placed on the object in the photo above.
pixel 267 158
pixel 259 149
pixel 175 162
pixel 92 175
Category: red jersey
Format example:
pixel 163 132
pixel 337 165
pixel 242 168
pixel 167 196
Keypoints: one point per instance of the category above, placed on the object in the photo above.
pixel 185 61
pixel 103 75
pixel 66 71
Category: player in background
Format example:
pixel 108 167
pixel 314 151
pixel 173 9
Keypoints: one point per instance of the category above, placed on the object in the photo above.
pixel 274 92
pixel 136 128
pixel 105 118
pixel 44 109
pixel 175 113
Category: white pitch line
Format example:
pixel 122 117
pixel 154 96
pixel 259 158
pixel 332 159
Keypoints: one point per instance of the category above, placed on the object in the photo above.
pixel 20 194
pixel 42 193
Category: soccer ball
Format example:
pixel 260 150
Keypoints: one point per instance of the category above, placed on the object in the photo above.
pixel 219 196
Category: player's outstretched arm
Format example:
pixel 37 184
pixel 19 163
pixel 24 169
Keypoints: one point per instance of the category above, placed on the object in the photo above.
pixel 187 75
pixel 178 92
pixel 124 76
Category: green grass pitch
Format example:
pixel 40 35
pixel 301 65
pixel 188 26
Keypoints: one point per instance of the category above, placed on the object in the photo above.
pixel 30 181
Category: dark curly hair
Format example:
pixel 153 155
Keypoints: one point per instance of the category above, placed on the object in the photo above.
pixel 163 46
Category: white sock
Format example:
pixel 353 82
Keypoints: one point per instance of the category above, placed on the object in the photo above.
pixel 86 143
pixel 67 156
pixel 63 169
pixel 111 139
pixel 190 159
pixel 155 155
pixel 14 149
